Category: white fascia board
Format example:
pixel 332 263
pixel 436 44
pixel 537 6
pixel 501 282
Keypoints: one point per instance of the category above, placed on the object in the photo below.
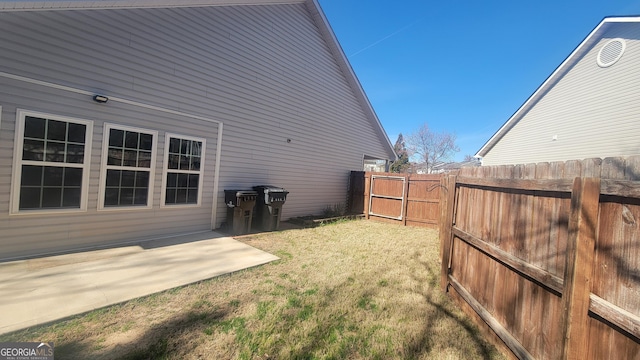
pixel 552 79
pixel 352 78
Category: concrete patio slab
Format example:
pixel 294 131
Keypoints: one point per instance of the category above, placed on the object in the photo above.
pixel 41 290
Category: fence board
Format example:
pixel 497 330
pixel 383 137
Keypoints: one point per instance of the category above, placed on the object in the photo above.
pixel 507 220
pixel 579 265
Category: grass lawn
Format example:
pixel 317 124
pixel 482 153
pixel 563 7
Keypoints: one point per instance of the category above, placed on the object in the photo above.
pixel 351 290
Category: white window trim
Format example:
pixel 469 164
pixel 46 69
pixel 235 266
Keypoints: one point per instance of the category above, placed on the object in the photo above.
pixel 103 167
pixel 165 170
pixel 14 206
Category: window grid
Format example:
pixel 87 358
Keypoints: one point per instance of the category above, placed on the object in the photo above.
pixel 128 167
pixel 51 163
pixel 183 170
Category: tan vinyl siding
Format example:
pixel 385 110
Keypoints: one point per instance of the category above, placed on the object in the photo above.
pixel 265 72
pixel 593 111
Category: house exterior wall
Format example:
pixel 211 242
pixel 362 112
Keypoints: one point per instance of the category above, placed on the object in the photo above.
pixel 590 111
pixel 290 117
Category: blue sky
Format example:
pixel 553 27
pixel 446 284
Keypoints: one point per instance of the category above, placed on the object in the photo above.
pixel 460 66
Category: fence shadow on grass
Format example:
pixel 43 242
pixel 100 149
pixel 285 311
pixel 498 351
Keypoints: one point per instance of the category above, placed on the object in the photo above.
pixel 445 309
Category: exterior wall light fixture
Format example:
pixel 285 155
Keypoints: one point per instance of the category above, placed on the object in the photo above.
pixel 100 99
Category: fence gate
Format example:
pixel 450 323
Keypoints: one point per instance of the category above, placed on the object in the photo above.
pixel 406 199
pixel 387 196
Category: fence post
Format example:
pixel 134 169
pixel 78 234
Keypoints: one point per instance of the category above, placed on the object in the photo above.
pixel 447 201
pixel 367 191
pixel 405 200
pixel 583 227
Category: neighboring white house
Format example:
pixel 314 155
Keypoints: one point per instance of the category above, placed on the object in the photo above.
pixel 587 108
pixel 126 120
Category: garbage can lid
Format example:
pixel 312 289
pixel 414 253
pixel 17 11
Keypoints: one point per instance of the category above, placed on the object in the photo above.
pixel 269 188
pixel 239 193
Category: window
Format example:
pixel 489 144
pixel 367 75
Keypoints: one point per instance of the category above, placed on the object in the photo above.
pixel 183 161
pixel 128 163
pixel 51 163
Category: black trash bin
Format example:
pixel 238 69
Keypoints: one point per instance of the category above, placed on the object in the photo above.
pixel 269 206
pixel 240 204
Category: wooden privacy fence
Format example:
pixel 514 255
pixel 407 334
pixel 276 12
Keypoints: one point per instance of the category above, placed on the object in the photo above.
pixel 408 199
pixel 547 256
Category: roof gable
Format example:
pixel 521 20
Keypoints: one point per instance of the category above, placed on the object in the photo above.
pixel 575 56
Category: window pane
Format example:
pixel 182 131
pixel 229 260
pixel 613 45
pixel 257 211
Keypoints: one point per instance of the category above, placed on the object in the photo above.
pixel 192 196
pixel 116 138
pixel 144 159
pixel 111 197
pixel 31 175
pixel 174 145
pixel 130 158
pixel 34 127
pixel 195 163
pixel 114 157
pixel 75 154
pixel 193 180
pixel 77 133
pixel 33 150
pixel 128 178
pixel 184 162
pixel 29 198
pixel 171 196
pixel 71 197
pixel 146 141
pixel 174 161
pixel 57 130
pixel 196 148
pixel 172 180
pixel 131 140
pixel 55 151
pixel 185 147
pixel 181 196
pixel 52 176
pixel 72 177
pixel 142 179
pixel 51 197
pixel 126 196
pixel 141 197
pixel 113 178
pixel 183 180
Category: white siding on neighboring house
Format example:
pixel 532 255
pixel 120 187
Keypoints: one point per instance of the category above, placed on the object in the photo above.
pixel 588 112
pixel 291 115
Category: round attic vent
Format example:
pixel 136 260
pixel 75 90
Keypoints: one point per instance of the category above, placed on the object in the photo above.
pixel 611 52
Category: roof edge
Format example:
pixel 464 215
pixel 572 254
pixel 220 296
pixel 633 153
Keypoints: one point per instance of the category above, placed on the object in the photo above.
pixel 29 5
pixel 551 79
pixel 352 78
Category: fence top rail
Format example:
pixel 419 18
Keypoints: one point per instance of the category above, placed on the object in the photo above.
pixel 407 175
pixel 623 188
pixel 552 185
pixel 388 177
pixel 612 187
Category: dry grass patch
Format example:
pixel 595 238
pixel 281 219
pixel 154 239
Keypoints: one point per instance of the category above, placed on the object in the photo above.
pixel 356 290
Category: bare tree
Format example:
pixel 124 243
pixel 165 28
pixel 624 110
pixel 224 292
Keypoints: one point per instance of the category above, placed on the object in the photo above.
pixel 432 147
